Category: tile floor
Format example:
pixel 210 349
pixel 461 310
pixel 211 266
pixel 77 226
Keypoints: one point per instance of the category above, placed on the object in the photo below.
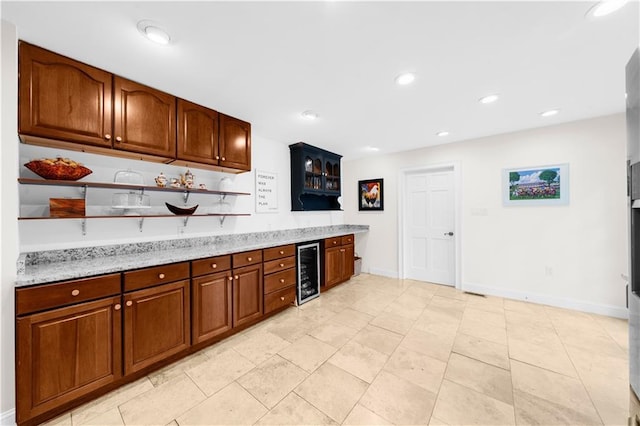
pixel 383 351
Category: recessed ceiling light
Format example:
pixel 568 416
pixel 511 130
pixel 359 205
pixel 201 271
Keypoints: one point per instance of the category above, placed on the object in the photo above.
pixel 442 133
pixel 549 113
pixel 605 7
pixel 488 99
pixel 405 78
pixel 371 149
pixel 153 32
pixel 309 115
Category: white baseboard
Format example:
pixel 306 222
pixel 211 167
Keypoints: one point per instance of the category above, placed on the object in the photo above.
pixel 578 305
pixel 8 417
pixel 389 273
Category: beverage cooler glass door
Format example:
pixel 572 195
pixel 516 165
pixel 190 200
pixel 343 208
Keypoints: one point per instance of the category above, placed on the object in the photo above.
pixel 308 272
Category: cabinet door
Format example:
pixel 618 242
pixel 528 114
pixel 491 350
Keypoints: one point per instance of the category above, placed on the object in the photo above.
pixel 235 143
pixel 247 294
pixel 144 119
pixel 332 174
pixel 198 129
pixel 212 306
pixel 65 353
pixel 347 262
pixel 156 324
pixel 60 98
pixel 333 269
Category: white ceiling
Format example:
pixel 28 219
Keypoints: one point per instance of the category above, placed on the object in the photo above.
pixel 266 62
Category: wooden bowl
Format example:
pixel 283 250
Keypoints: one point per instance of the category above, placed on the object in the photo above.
pixel 182 211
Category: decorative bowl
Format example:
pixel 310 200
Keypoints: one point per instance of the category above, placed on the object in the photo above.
pixel 181 210
pixel 58 168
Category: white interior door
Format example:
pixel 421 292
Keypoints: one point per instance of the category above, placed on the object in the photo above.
pixel 429 244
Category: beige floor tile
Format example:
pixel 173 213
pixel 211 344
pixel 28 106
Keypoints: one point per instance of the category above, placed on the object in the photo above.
pixel 162 404
pixel 417 368
pixel 422 291
pixel 437 422
pixel 231 406
pixel 598 343
pixel 377 338
pixel 618 329
pixel 533 334
pixel 482 350
pixel 371 306
pixel 398 400
pixel 485 378
pixel 486 303
pixel 484 331
pixel 411 312
pixel 359 360
pixel 291 328
pixel 496 319
pixel 272 380
pixel 451 292
pixel 109 418
pixel 293 410
pixel 550 357
pixel 524 307
pixel 459 405
pixel 261 346
pixel 308 353
pixel 393 322
pixel 219 371
pixel 316 313
pixel 334 334
pixel 533 410
pixel 63 420
pixel 332 390
pixel 352 318
pixel 529 319
pixel 438 321
pixel 363 416
pixel 435 345
pixel 172 423
pixel 414 298
pixel 177 368
pixel 451 305
pixel 557 389
pixel 85 413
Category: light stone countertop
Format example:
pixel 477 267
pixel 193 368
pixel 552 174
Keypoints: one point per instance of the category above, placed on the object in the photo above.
pixel 58 265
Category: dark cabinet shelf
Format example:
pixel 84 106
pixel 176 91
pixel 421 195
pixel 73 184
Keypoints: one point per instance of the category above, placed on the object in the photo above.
pixel 315 178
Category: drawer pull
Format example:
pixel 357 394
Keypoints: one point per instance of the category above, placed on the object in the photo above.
pixel 214 266
pixel 117 307
pixel 282 298
pixel 342 250
pixel 75 292
pixel 118 139
pixel 282 280
pixel 249 259
pixel 230 278
pixel 161 276
pixel 107 136
pixel 129 303
pixel 282 265
pixel 236 277
pixel 281 251
pixel 223 159
pixel 335 242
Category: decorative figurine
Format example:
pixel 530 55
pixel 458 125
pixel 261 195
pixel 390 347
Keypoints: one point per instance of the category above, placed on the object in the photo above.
pixel 175 183
pixel 161 180
pixel 202 186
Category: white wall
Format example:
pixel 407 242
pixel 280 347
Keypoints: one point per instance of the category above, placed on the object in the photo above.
pixel 8 214
pixel 507 252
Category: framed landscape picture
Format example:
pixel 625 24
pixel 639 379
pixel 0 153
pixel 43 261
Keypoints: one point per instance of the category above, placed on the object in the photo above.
pixel 536 186
pixel 371 195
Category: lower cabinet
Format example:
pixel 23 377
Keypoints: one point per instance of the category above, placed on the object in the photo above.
pixel 212 300
pixel 338 260
pixel 63 354
pixel 247 294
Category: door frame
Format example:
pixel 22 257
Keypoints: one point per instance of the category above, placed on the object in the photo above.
pixel 402 211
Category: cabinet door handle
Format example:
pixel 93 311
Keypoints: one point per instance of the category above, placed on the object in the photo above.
pixel 335 242
pixel 249 259
pixel 118 139
pixel 282 298
pixel 282 265
pixel 223 159
pixel 281 251
pixel 107 136
pixel 236 277
pixel 117 307
pixel 129 303
pixel 342 250
pixel 282 280
pixel 217 157
pixel 161 276
pixel 214 266
pixel 75 292
pixel 230 278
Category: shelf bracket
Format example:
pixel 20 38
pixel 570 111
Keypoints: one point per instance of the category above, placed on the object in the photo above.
pixel 186 219
pixel 83 191
pixel 222 197
pixel 84 225
pixel 185 196
pixel 140 222
pixel 222 218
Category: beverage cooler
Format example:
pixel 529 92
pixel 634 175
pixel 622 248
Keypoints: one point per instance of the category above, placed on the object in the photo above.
pixel 308 262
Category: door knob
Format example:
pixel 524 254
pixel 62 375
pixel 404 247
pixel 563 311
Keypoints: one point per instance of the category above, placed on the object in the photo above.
pixel 449 233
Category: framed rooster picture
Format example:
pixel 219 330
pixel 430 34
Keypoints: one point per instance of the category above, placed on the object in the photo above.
pixel 371 195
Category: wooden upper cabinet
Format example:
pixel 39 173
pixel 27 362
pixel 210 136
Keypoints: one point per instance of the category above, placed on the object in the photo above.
pixel 198 130
pixel 144 119
pixel 60 98
pixel 235 143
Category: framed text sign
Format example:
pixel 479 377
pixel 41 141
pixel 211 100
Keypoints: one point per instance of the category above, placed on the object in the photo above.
pixel 266 192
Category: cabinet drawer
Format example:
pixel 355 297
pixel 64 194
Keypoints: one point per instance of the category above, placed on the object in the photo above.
pixel 210 265
pixel 148 277
pixel 279 265
pixel 49 296
pixel 279 280
pixel 347 239
pixel 247 258
pixel 332 242
pixel 279 299
pixel 279 252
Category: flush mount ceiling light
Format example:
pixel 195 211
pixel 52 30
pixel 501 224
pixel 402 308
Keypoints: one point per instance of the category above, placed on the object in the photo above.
pixel 405 78
pixel 442 133
pixel 309 115
pixel 488 99
pixel 549 113
pixel 604 8
pixel 153 32
pixel 371 149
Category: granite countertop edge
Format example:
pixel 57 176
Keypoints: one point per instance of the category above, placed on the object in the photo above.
pixel 48 272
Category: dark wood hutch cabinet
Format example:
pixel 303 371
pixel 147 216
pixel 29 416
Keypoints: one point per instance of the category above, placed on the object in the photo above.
pixel 315 178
